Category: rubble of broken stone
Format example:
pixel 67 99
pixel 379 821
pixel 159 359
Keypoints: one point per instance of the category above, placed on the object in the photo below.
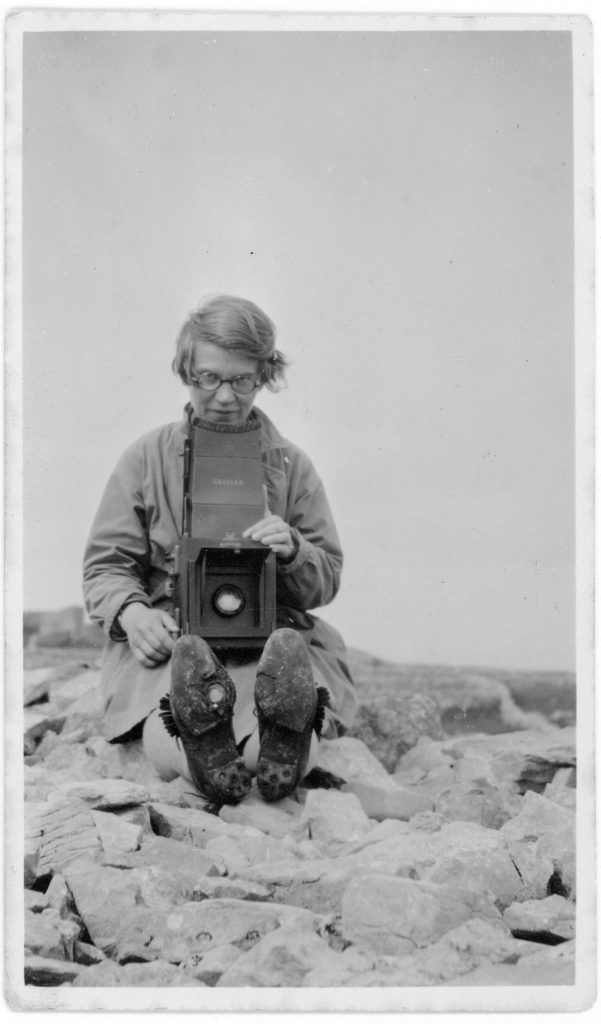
pixel 431 859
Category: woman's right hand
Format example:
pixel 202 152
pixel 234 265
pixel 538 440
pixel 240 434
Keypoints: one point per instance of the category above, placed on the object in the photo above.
pixel 151 633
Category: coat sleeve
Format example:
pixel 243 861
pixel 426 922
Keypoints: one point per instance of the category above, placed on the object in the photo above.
pixel 117 556
pixel 312 578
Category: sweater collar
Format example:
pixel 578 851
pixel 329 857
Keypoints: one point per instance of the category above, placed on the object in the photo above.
pixel 270 435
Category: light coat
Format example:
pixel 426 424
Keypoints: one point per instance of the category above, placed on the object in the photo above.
pixel 137 525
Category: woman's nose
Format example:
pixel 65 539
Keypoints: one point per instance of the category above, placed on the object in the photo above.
pixel 225 393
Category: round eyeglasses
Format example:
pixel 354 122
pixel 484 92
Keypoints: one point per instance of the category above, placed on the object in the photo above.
pixel 243 384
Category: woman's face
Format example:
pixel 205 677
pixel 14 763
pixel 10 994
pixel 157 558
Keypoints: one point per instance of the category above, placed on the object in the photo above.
pixel 223 405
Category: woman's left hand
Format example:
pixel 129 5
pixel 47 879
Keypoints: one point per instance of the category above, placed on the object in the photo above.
pixel 275 534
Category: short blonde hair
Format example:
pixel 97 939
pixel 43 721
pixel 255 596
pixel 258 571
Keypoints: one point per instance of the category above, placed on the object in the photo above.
pixel 236 324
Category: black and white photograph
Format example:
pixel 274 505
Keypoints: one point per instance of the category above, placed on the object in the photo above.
pixel 299 512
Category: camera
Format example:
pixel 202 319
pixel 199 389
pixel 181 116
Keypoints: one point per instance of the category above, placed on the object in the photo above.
pixel 223 584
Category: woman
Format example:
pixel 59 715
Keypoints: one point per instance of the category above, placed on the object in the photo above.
pixel 222 719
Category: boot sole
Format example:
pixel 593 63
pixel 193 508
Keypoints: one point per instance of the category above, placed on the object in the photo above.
pixel 206 733
pixel 286 701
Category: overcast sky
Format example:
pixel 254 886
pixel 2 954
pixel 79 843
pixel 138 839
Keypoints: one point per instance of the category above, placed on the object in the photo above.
pixel 400 203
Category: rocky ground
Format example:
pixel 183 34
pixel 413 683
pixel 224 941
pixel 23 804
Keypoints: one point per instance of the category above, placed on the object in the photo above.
pixel 435 846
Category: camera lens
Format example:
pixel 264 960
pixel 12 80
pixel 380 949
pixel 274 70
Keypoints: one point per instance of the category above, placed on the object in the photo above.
pixel 228 600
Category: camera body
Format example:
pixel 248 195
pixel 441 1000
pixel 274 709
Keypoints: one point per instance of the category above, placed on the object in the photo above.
pixel 223 584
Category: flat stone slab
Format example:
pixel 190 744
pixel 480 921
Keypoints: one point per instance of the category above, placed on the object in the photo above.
pixel 100 794
pixel 191 929
pixel 56 835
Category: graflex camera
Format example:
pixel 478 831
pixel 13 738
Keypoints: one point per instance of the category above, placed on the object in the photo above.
pixel 223 584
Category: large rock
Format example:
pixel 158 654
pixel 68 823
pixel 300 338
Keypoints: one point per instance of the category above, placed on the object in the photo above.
pixel 542 841
pixel 554 965
pixel 475 801
pixel 537 817
pixel 192 826
pixel 426 756
pixel 476 941
pixel 280 959
pixel 276 819
pixel 63 754
pixel 553 914
pixel 165 871
pixel 226 853
pixel 117 836
pixel 332 818
pixel 259 848
pixel 381 802
pixel 480 870
pixel 551 857
pixel 418 850
pixel 56 835
pixel 349 759
pixel 397 915
pixel 167 854
pixel 389 726
pixel 104 898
